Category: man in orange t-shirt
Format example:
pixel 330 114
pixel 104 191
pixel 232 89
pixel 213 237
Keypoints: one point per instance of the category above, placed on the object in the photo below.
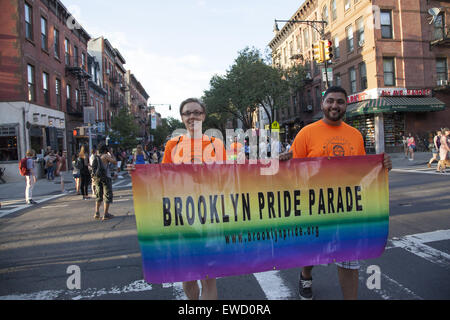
pixel 331 137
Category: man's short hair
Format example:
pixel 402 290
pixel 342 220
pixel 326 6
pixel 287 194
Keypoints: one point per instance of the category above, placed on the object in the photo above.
pixel 185 102
pixel 102 148
pixel 335 89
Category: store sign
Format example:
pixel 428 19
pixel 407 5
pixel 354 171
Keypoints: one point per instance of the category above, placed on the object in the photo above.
pixel 387 92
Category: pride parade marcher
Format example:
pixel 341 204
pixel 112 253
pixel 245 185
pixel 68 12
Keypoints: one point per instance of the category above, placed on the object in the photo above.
pixel 331 137
pixel 194 148
pixel 193 114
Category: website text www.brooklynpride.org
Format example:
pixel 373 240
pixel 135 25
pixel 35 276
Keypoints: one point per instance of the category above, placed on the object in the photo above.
pixel 272 234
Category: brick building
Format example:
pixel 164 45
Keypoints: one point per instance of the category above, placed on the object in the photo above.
pixel 136 98
pixel 43 79
pixel 395 70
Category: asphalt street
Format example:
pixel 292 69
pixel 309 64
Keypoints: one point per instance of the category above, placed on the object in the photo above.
pixel 38 245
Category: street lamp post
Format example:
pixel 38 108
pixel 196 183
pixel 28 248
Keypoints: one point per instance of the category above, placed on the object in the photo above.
pixel 313 24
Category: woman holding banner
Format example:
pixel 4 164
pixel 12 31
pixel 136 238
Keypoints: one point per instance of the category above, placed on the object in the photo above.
pixel 194 148
pixel 193 114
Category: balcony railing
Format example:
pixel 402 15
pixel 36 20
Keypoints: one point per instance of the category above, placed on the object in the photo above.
pixel 74 109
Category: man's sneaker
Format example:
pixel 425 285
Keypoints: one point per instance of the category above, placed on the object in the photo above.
pixel 305 288
pixel 32 202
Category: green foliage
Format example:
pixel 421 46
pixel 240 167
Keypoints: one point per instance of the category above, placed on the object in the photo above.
pixel 124 129
pixel 250 83
pixel 165 130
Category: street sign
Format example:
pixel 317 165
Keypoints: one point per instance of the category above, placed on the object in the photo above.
pixel 275 125
pixel 330 74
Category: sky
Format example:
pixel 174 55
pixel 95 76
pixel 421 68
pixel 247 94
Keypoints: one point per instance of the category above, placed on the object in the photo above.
pixel 175 47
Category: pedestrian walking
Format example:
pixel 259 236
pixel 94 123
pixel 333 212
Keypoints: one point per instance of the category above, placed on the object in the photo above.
pixel 30 177
pixel 91 160
pixel 435 148
pixel 331 137
pixel 85 177
pixel 444 151
pixel 62 168
pixel 49 165
pixel 411 146
pixel 101 175
pixel 405 146
pixel 76 174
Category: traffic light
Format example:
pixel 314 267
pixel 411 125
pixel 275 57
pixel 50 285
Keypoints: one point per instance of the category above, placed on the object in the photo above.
pixel 76 132
pixel 328 50
pixel 318 51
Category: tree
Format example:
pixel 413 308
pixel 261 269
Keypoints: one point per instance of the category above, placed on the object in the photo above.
pixel 251 83
pixel 124 129
pixel 165 130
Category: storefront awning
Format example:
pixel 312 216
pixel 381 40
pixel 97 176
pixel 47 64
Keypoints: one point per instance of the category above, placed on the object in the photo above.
pixel 394 104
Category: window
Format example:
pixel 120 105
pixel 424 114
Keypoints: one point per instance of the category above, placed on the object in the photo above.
pixel 75 56
pixel 386 25
pixel 337 51
pixel 68 97
pixel 8 144
pixel 352 75
pixel 325 13
pixel 83 60
pixel 349 32
pixel 77 98
pixel 306 38
pixel 45 85
pixel 346 5
pixel 58 93
pixel 389 71
pixel 28 21
pixel 56 42
pixel 333 10
pixel 44 36
pixel 31 85
pixel 338 80
pixel 439 23
pixel 360 31
pixel 363 75
pixel 67 51
pixel 441 69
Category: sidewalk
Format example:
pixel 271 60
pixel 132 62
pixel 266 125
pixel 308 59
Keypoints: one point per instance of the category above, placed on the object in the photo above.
pixel 16 190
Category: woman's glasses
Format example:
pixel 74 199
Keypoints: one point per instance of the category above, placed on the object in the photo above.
pixel 194 113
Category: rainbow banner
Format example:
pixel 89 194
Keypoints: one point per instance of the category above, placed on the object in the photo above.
pixel 209 221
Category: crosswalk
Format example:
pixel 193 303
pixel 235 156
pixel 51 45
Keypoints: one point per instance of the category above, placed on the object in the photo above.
pixel 275 285
pixel 422 170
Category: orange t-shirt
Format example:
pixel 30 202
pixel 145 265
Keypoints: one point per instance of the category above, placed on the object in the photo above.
pixel 322 140
pixel 183 149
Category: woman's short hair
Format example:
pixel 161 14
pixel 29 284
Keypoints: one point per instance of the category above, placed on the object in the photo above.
pixel 185 102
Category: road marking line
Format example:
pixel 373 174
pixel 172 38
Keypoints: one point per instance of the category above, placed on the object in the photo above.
pixel 136 286
pixel 40 201
pixel 418 171
pixel 273 285
pixel 415 244
pixel 391 288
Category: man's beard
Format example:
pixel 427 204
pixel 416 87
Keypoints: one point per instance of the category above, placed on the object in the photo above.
pixel 339 115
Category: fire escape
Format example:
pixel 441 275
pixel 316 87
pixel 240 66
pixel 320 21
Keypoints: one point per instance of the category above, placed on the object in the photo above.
pixel 76 109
